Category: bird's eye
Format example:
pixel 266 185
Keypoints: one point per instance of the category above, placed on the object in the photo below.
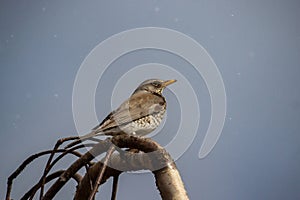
pixel 156 84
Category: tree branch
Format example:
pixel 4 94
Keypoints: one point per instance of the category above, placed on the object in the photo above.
pixel 143 154
pixel 99 148
pixel 154 158
pixel 101 172
pixel 49 178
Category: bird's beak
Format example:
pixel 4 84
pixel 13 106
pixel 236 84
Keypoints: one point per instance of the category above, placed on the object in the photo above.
pixel 168 82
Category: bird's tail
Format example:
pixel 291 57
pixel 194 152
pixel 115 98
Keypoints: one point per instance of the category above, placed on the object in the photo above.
pixel 83 138
pixel 89 135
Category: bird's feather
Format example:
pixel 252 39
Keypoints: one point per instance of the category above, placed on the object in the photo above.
pixel 139 105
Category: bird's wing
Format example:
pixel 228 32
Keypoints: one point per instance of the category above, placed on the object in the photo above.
pixel 137 106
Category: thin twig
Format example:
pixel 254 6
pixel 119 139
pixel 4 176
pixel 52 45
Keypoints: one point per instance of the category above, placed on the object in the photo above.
pixel 100 175
pixel 65 152
pixel 47 168
pixel 99 148
pixel 22 167
pixel 115 187
pixel 69 151
pixel 49 178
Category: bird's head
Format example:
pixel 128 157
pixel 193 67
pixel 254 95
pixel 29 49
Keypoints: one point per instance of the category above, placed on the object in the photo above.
pixel 154 85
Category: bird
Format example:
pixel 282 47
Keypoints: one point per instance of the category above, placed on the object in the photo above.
pixel 139 115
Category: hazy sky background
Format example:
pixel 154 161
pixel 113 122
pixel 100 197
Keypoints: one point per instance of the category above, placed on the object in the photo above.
pixel 255 44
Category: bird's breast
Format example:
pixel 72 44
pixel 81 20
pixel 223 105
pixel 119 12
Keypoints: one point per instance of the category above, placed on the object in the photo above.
pixel 145 124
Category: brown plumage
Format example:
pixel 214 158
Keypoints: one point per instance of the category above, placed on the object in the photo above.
pixel 138 115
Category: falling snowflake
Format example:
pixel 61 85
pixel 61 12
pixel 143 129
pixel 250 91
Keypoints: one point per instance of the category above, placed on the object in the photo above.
pixel 14 125
pixel 56 95
pixel 18 116
pixel 156 9
pixel 43 9
pixel 28 95
pixel 251 54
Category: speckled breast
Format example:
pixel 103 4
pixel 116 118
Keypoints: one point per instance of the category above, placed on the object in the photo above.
pixel 144 125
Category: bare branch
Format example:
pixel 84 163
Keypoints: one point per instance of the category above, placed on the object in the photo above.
pixel 23 166
pixel 169 183
pixel 159 162
pixel 49 167
pixel 99 148
pixel 84 188
pixel 49 178
pixel 143 154
pixel 115 187
pixel 99 177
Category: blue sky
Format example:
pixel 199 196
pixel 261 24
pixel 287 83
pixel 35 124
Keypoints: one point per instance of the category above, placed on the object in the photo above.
pixel 255 44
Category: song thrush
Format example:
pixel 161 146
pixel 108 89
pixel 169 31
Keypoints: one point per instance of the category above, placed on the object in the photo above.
pixel 138 115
